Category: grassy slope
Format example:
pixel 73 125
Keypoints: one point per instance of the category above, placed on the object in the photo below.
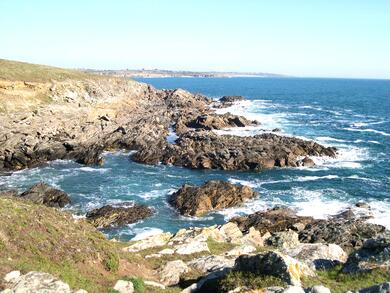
pixel 34 237
pixel 21 71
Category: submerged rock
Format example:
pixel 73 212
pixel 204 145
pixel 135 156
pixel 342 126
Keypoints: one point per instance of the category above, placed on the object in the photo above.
pixel 42 193
pixel 116 216
pixel 213 195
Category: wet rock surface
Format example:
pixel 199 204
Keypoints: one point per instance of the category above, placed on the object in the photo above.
pixel 213 195
pixel 42 193
pixel 109 216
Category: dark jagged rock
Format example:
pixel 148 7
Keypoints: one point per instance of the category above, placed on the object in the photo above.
pixel 42 193
pixel 274 220
pixel 207 150
pixel 213 195
pixel 109 216
pixel 374 254
pixel 228 100
pixel 344 229
pixel 213 121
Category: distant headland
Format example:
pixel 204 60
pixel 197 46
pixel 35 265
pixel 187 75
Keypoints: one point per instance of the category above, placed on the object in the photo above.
pixel 153 73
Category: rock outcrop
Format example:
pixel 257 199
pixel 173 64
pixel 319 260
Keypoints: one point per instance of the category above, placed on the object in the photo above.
pixel 109 216
pixel 275 264
pixel 346 229
pixel 207 150
pixel 42 193
pixel 374 254
pixel 214 121
pixel 213 195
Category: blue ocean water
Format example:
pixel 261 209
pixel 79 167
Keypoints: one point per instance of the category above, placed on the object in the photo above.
pixel 353 115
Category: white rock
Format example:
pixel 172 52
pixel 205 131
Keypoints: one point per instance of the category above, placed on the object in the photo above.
pixel 192 247
pixel 154 284
pixel 171 272
pixel 38 282
pixel 123 286
pixel 232 232
pixel 253 237
pixel 240 250
pixel 81 291
pixel 149 242
pixel 167 251
pixel 12 276
pixel 318 255
pixel 211 263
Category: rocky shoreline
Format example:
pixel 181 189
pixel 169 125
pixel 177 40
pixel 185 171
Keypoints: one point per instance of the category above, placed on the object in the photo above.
pixel 268 251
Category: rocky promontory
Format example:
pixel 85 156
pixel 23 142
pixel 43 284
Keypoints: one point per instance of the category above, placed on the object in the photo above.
pixel 207 150
pixel 77 116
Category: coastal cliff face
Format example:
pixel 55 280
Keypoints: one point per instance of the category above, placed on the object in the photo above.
pixel 77 116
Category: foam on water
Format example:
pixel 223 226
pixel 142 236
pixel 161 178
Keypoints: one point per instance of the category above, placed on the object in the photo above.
pixel 142 233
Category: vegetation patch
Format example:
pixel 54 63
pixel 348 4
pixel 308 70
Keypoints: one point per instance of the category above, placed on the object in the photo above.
pixel 216 247
pixel 248 280
pixel 337 281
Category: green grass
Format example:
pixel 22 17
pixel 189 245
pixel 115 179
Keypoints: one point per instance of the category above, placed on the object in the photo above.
pixel 38 238
pixel 14 70
pixel 138 283
pixel 216 247
pixel 337 281
pixel 233 280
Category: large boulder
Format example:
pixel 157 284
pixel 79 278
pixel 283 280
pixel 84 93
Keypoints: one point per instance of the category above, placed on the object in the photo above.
pixel 318 255
pixel 284 239
pixel 36 282
pixel 374 254
pixel 213 195
pixel 275 264
pixel 109 216
pixel 42 193
pixel 211 263
pixel 151 241
pixel 171 272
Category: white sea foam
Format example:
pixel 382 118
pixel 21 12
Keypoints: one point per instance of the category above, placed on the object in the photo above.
pixel 367 130
pixel 142 233
pixel 347 157
pixel 90 169
pixel 250 110
pixel 313 178
pixel 327 138
pixel 380 211
pixel 172 136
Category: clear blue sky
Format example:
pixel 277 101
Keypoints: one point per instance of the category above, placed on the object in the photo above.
pixel 335 38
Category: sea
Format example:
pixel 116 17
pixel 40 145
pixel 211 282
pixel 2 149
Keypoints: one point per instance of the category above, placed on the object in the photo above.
pixel 352 115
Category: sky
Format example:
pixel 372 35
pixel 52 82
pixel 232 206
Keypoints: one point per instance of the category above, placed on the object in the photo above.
pixel 316 38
